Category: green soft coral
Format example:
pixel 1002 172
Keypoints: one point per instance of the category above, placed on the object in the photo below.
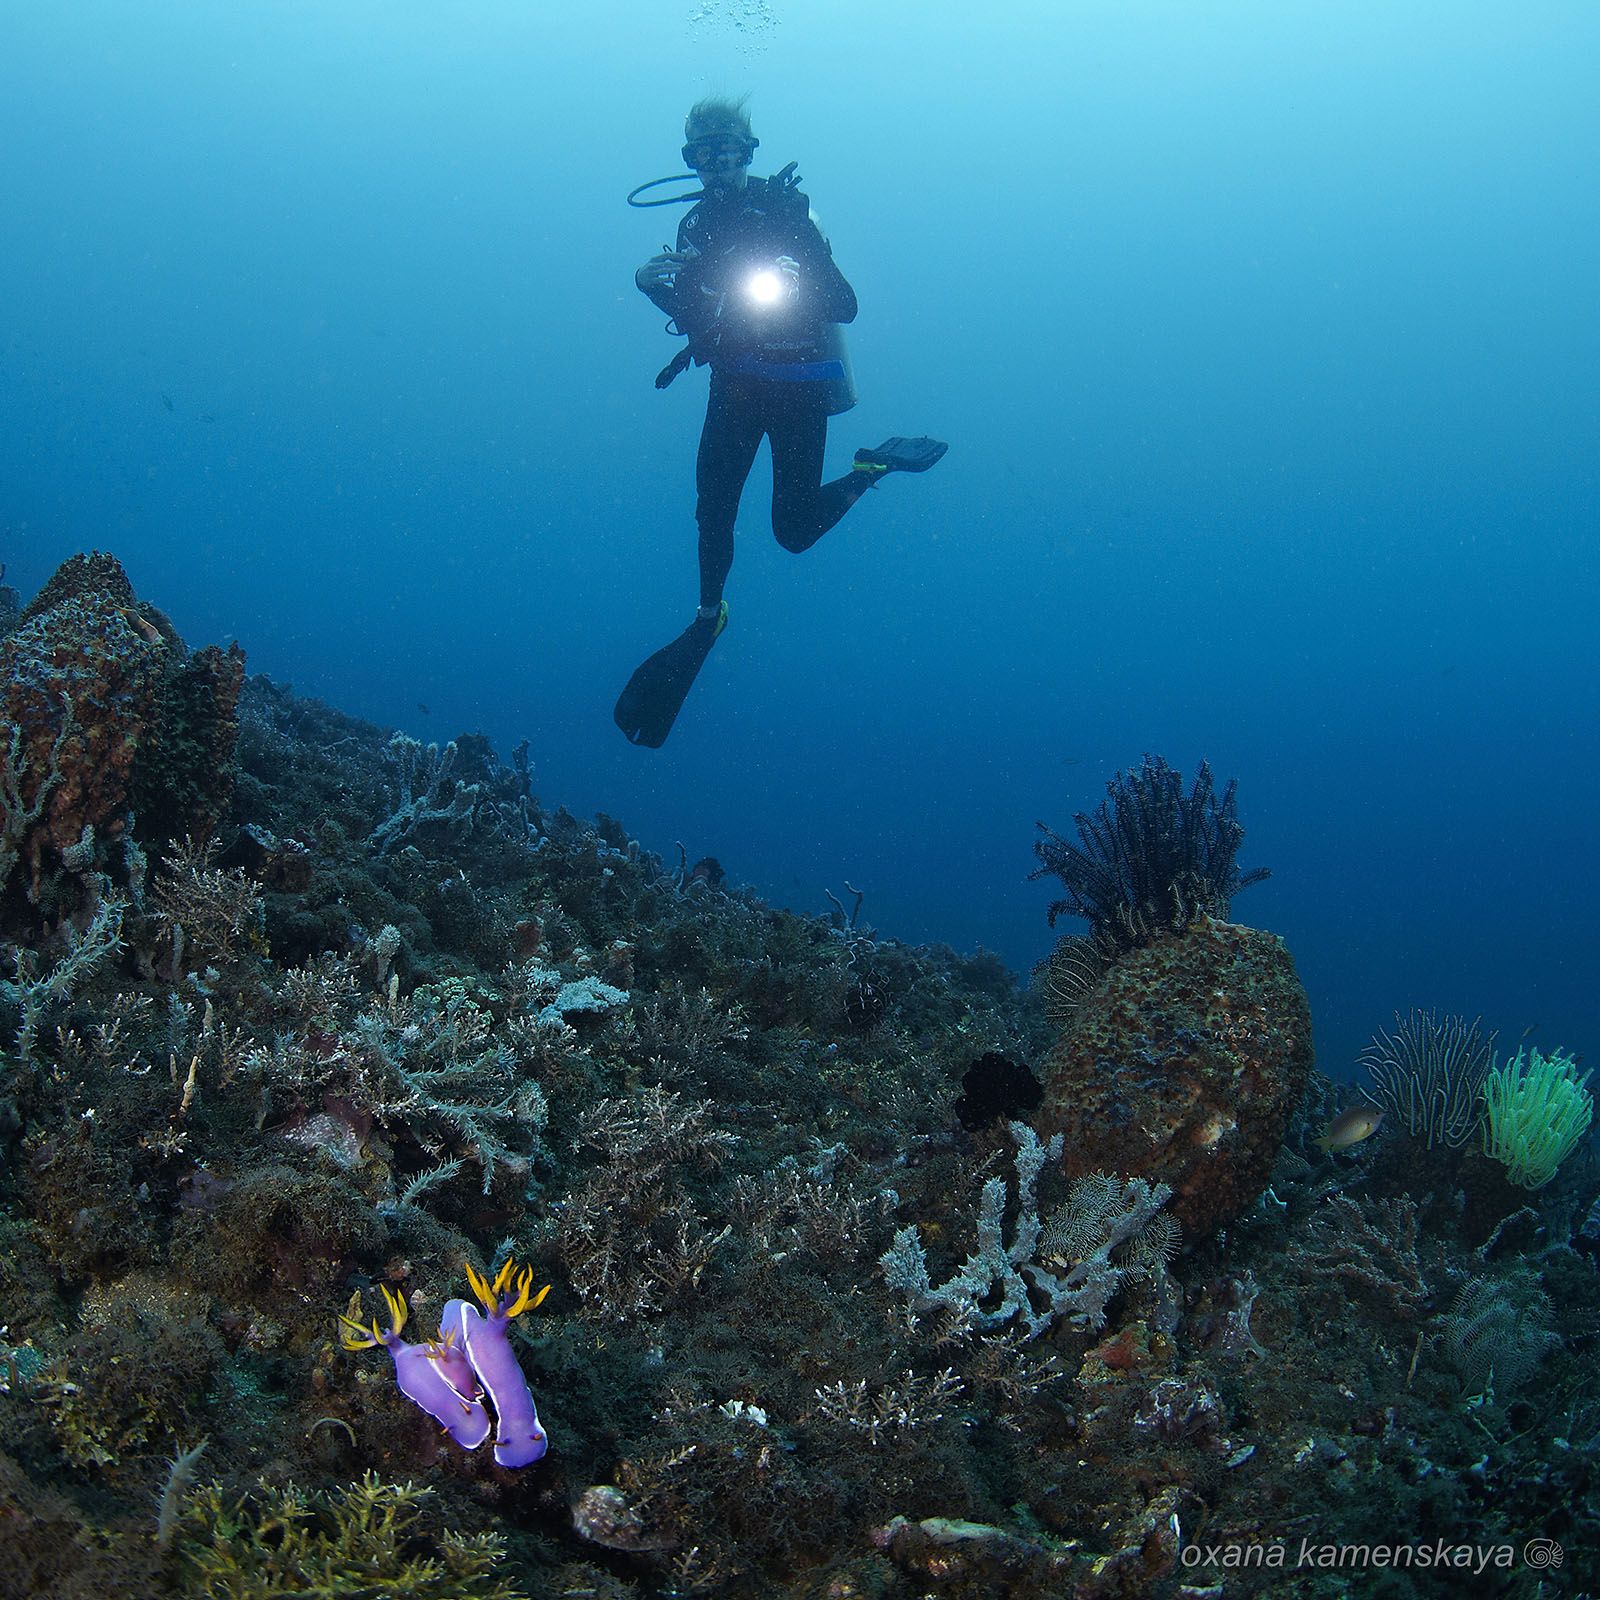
pixel 355 1543
pixel 1536 1109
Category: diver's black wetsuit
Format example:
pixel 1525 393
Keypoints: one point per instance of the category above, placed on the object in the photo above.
pixel 769 368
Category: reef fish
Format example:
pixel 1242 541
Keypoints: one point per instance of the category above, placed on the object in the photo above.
pixel 1350 1127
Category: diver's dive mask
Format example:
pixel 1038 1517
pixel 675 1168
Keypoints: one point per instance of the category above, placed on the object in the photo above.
pixel 718 152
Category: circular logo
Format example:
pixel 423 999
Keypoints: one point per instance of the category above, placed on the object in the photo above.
pixel 1542 1553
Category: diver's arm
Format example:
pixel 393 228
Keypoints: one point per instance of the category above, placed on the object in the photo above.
pixel 658 280
pixel 827 292
pixel 662 277
pixel 835 298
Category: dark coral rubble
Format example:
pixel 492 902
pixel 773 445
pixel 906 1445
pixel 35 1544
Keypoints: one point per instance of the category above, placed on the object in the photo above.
pixel 297 1010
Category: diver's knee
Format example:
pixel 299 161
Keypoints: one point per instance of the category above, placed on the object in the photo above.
pixel 795 534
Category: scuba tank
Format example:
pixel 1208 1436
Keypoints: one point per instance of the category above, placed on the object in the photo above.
pixel 840 390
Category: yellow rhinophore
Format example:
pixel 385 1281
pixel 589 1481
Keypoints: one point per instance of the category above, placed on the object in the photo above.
pixel 491 1293
pixel 442 1348
pixel 357 1335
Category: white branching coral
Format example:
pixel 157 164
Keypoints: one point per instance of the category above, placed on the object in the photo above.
pixel 1108 1230
pixel 883 1411
pixel 439 1049
pixel 435 1063
pixel 425 792
pixel 36 994
pixel 631 1235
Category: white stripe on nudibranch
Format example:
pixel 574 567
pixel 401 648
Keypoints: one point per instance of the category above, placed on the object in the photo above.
pixel 519 1440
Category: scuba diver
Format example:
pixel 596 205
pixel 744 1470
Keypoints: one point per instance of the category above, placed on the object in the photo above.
pixel 753 287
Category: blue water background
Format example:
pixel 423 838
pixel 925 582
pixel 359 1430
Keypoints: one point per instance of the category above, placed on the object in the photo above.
pixel 1265 337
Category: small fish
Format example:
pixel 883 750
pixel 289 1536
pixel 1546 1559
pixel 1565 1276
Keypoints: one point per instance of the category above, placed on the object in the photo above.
pixel 166 400
pixel 422 708
pixel 1350 1127
pixel 151 633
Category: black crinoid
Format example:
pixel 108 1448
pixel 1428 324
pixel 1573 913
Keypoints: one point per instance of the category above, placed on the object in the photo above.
pixel 1151 859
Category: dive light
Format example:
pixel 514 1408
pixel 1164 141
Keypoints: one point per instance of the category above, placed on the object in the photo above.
pixel 772 285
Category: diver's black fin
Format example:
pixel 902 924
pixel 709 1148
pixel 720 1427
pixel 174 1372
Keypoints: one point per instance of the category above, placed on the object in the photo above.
pixel 650 704
pixel 902 455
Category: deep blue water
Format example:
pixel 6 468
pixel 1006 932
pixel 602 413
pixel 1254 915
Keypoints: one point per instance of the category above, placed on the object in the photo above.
pixel 1265 338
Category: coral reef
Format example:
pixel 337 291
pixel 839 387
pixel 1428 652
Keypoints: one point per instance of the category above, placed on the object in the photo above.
pixel 839 1306
pixel 1107 1229
pixel 364 1539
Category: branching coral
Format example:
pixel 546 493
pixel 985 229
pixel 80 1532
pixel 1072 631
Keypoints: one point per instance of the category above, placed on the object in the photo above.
pixel 881 1411
pixel 434 1064
pixel 681 1034
pixel 369 1538
pixel 427 795
pixel 787 1212
pixel 216 910
pixel 631 1236
pixel 1107 1229
pixel 36 994
pixel 440 1052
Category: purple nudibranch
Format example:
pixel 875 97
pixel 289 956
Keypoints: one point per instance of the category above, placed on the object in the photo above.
pixel 471 1359
pixel 435 1376
pixel 519 1441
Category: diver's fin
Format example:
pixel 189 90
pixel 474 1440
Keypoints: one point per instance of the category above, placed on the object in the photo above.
pixel 650 704
pixel 901 455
